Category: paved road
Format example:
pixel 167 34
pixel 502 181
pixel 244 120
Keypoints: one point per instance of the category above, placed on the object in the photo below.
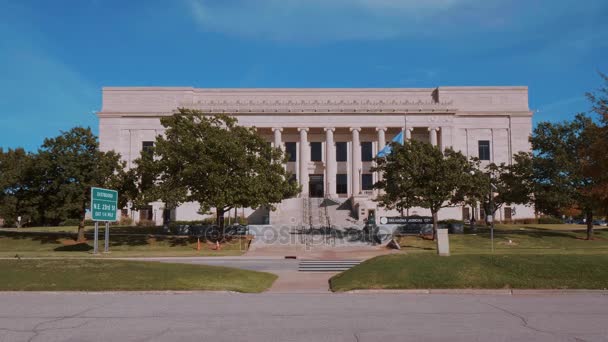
pixel 300 317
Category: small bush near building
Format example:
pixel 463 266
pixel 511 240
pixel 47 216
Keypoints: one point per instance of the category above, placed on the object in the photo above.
pixel 549 220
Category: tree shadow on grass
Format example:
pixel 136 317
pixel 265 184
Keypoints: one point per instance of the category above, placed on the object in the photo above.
pixel 77 247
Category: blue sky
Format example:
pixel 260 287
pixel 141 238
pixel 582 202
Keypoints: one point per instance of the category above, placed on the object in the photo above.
pixel 56 55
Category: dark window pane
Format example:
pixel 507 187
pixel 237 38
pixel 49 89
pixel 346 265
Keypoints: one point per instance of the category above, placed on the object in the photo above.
pixel 508 213
pixel 341 152
pixel 315 151
pixel 146 146
pixel 290 149
pixel 341 183
pixel 366 151
pixel 367 181
pixel 484 149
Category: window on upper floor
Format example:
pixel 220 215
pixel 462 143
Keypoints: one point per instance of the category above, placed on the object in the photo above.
pixel 366 151
pixel 290 149
pixel 484 149
pixel 316 153
pixel 147 146
pixel 341 151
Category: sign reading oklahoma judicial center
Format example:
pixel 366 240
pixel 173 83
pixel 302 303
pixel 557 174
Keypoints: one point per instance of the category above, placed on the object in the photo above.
pixel 331 136
pixel 104 204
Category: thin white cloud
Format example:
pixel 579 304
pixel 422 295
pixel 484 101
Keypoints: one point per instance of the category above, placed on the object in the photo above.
pixel 333 19
pixel 339 20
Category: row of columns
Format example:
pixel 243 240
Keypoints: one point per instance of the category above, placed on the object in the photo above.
pixel 330 155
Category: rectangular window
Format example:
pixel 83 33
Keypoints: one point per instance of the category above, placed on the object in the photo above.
pixel 484 149
pixel 466 214
pixel 341 152
pixel 290 149
pixel 482 214
pixel 366 151
pixel 146 213
pixel 341 183
pixel 316 153
pixel 146 146
pixel 367 181
pixel 508 213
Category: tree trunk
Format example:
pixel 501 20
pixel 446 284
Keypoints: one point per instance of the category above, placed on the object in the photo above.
pixel 80 237
pixel 220 221
pixel 435 224
pixel 589 221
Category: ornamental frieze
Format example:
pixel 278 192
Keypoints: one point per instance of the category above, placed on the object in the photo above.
pixel 283 104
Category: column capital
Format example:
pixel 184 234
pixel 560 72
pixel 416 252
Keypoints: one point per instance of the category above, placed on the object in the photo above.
pixel 352 129
pixel 300 129
pixel 333 129
pixel 411 129
pixel 380 129
pixel 280 129
pixel 433 129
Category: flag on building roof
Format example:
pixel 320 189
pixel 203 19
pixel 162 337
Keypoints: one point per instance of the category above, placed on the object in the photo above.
pixel 387 149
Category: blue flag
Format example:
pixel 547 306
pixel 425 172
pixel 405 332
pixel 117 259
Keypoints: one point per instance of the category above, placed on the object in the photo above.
pixel 387 149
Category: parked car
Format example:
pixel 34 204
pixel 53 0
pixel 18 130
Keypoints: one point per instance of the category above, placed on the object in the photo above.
pixel 601 223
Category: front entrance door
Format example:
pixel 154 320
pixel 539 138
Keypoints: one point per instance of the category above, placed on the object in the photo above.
pixel 315 186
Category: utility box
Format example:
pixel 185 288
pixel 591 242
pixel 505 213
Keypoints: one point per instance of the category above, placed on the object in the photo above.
pixel 443 242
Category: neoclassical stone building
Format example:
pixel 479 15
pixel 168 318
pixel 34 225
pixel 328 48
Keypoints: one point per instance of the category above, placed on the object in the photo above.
pixel 331 135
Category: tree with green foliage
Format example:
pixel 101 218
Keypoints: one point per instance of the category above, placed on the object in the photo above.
pixel 419 174
pixel 17 185
pixel 71 164
pixel 558 167
pixel 508 184
pixel 595 165
pixel 212 160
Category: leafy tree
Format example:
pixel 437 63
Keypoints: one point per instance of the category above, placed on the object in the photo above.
pixel 595 165
pixel 17 185
pixel 558 167
pixel 508 184
pixel 211 160
pixel 71 164
pixel 419 174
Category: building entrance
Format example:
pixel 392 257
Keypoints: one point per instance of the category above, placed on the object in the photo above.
pixel 315 186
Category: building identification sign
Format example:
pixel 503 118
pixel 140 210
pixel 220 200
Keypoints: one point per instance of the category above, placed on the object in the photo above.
pixel 104 204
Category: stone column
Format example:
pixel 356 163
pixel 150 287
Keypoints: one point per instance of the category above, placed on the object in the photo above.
pixel 356 162
pixel 381 137
pixel 330 162
pixel 433 135
pixel 304 148
pixel 278 143
pixel 381 143
pixel 408 133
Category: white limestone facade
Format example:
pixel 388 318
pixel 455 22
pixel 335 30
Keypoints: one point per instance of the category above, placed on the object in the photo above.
pixel 332 134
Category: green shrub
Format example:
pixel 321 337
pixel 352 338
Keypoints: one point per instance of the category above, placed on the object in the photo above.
pixel 550 220
pixel 451 221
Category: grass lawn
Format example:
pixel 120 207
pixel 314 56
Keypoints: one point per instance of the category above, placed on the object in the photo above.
pixel 55 244
pixel 109 275
pixel 421 271
pixel 516 239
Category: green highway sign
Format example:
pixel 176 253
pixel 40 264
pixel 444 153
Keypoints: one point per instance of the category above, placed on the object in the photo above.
pixel 104 204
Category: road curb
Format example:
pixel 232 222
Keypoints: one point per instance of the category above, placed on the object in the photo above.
pixel 506 292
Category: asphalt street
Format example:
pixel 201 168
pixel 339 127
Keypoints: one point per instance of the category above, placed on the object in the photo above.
pixel 300 317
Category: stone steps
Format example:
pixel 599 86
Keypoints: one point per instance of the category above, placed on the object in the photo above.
pixel 326 265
